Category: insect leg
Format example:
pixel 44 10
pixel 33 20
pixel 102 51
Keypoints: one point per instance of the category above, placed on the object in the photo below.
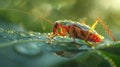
pixel 90 44
pixel 107 30
pixel 71 33
pixel 104 26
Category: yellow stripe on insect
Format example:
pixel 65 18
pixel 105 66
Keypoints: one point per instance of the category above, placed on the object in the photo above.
pixel 93 26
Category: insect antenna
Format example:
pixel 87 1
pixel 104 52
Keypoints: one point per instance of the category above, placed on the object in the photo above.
pixel 46 19
pixel 29 13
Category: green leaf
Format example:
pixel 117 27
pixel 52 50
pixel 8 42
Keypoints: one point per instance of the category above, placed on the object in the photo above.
pixel 112 48
pixel 34 44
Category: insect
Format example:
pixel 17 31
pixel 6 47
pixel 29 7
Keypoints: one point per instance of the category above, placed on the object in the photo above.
pixel 80 30
pixel 76 30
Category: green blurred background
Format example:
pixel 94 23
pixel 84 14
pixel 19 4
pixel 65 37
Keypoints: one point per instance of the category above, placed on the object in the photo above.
pixel 27 15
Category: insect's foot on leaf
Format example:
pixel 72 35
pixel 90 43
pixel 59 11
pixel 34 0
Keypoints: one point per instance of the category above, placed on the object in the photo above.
pixel 50 37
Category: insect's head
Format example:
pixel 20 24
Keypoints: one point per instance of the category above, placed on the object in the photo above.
pixel 60 28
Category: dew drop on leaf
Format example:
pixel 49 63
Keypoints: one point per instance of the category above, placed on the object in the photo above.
pixel 30 49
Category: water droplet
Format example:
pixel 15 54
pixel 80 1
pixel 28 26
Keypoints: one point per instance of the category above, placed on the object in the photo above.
pixel 1 29
pixel 22 34
pixel 50 33
pixel 39 37
pixel 10 31
pixel 39 33
pixel 31 34
pixel 30 48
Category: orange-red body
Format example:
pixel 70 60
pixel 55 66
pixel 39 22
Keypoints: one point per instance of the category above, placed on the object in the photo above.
pixel 76 30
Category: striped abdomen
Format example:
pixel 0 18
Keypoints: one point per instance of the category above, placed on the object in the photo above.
pixel 77 32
